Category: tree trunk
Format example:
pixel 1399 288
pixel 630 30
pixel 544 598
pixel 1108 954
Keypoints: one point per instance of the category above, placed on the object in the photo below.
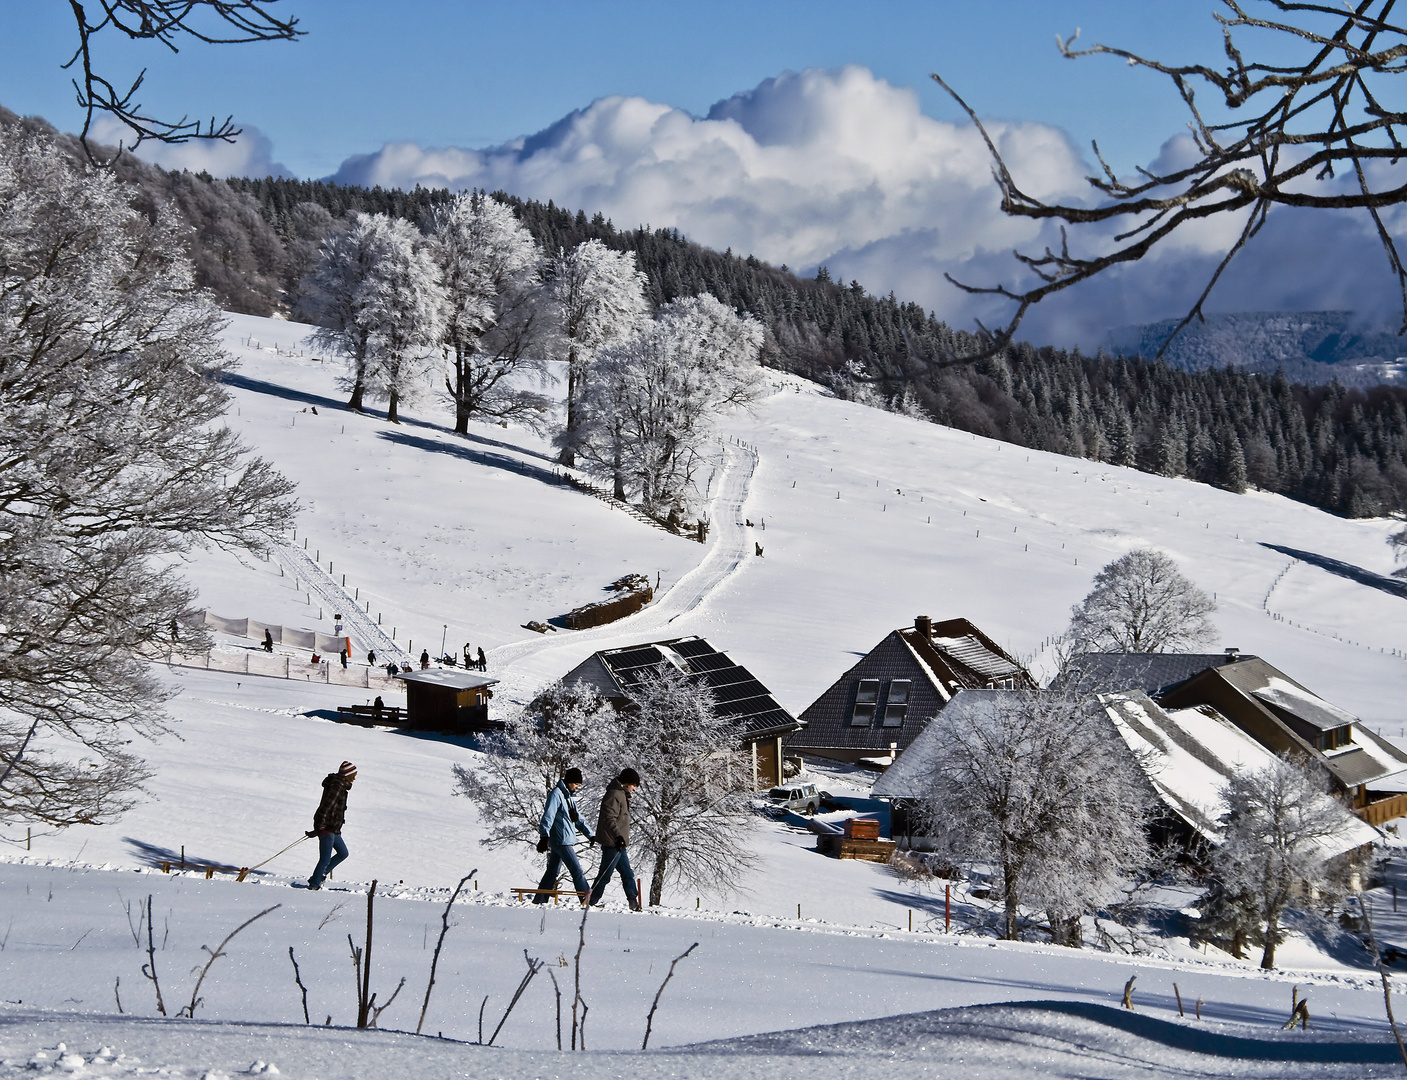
pixel 657 879
pixel 359 381
pixel 461 396
pixel 1272 932
pixel 358 391
pixel 618 468
pixel 1013 920
pixel 391 408
pixel 567 457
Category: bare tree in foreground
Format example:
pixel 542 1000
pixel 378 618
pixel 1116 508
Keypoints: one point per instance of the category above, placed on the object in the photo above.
pixel 1288 132
pixel 1039 787
pixel 214 22
pixel 1279 831
pixel 1141 603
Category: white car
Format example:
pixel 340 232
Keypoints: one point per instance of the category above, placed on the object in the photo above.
pixel 801 797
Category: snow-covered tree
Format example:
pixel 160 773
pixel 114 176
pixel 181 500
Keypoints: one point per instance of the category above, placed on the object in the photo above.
pixel 563 727
pixel 692 813
pixel 1039 787
pixel 1141 602
pixel 653 400
pixel 597 297
pixel 1279 825
pixel 113 462
pixel 494 319
pixel 338 292
pixel 404 310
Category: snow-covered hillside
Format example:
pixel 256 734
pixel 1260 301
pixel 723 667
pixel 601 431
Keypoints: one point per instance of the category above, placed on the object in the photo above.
pixel 865 519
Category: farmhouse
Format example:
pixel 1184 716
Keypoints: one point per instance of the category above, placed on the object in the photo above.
pixel 760 722
pixel 878 707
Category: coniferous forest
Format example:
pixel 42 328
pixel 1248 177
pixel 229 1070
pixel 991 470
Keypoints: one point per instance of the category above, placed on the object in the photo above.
pixel 1344 450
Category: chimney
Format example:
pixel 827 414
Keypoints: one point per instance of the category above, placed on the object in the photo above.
pixel 924 625
pixel 1232 655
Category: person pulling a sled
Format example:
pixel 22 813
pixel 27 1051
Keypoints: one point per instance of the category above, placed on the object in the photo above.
pixel 557 835
pixel 613 831
pixel 327 822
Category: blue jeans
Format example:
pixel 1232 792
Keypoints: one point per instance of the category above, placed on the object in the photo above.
pixel 328 843
pixel 627 876
pixel 557 856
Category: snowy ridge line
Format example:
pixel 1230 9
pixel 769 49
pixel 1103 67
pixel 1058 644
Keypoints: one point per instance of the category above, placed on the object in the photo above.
pixel 959 940
pixel 728 549
pixel 336 598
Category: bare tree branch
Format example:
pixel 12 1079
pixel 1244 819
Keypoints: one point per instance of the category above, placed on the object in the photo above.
pixel 1290 129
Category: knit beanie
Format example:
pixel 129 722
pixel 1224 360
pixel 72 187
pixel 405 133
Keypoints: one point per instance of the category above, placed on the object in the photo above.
pixel 347 772
pixel 573 776
pixel 628 776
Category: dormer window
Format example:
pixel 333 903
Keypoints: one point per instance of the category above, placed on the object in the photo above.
pixel 897 703
pixel 866 698
pixel 1334 738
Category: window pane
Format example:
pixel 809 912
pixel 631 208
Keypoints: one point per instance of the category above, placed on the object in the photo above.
pixel 868 693
pixel 899 691
pixel 894 715
pixel 863 716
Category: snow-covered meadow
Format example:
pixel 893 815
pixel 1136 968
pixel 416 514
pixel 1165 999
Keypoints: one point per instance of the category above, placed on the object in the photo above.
pixel 866 519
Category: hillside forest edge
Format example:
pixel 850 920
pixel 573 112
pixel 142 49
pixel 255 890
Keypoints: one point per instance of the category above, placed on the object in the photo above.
pixel 1343 449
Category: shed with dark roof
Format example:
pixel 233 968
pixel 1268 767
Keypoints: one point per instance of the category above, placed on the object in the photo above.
pixel 878 707
pixel 448 699
pixel 760 722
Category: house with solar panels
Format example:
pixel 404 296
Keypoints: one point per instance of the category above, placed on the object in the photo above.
pixel 761 723
pixel 876 709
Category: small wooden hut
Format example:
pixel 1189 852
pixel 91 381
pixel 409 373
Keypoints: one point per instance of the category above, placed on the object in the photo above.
pixel 447 699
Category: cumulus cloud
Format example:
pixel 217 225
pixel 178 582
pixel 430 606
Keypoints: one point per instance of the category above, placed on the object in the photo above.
pixel 843 169
pixel 251 154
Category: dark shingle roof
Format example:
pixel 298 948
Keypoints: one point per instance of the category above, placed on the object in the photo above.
pixel 1150 672
pixel 737 693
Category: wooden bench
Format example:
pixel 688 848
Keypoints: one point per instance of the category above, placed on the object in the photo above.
pixel 388 715
pixel 554 893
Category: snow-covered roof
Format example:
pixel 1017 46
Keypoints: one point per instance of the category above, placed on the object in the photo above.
pixel 908 777
pixel 1189 754
pixel 1149 672
pixel 452 678
pixel 970 651
pixel 1303 704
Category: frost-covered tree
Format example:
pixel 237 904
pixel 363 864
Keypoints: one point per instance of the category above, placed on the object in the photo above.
pixel 653 400
pixel 1141 602
pixel 494 321
pixel 337 293
pixel 377 298
pixel 1039 787
pixel 597 297
pixel 692 814
pixel 1279 823
pixel 563 727
pixel 113 462
pixel 404 310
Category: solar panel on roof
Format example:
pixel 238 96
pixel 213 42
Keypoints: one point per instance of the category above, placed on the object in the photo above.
pixel 627 658
pixel 710 662
pixel 693 647
pixel 739 691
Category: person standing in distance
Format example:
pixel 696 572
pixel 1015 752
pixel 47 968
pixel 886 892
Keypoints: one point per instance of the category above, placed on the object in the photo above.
pixel 557 836
pixel 613 830
pixel 327 822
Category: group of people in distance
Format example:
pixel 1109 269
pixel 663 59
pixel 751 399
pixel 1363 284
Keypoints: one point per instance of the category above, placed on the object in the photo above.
pixel 557 831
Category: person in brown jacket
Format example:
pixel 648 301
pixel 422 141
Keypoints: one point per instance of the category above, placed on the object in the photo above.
pixel 613 833
pixel 328 819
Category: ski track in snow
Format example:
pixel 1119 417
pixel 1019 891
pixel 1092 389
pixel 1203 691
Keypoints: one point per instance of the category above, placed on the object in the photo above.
pixel 360 626
pixel 520 664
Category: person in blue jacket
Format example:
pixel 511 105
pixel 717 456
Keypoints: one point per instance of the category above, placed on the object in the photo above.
pixel 557 831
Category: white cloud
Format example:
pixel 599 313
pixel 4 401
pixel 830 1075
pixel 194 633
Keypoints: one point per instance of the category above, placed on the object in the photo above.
pixel 841 168
pixel 251 154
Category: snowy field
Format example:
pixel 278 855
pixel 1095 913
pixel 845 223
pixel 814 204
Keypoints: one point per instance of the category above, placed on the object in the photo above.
pixel 866 519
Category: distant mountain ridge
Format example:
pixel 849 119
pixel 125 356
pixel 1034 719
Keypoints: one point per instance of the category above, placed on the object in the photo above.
pixel 1313 347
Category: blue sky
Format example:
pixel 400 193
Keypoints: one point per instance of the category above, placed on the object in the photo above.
pixel 806 133
pixel 478 74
